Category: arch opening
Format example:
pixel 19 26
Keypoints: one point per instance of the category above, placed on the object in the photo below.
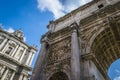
pixel 106 48
pixel 59 76
pixel 114 70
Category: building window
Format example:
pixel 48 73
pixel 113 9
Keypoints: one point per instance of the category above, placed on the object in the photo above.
pixel 9 50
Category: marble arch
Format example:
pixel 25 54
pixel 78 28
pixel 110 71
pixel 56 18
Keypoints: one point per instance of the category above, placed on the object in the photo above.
pixel 84 42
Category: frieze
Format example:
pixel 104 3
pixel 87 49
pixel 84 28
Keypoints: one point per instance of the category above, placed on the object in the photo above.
pixel 60 34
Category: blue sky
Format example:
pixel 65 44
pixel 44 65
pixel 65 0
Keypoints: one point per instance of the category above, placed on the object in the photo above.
pixel 32 17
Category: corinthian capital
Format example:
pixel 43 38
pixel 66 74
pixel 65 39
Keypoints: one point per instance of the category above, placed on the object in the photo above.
pixel 45 38
pixel 74 26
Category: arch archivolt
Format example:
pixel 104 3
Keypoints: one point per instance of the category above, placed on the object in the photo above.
pixel 105 46
pixel 90 37
pixel 89 44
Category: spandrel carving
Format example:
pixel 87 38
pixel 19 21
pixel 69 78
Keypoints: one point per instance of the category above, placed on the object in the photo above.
pixel 60 51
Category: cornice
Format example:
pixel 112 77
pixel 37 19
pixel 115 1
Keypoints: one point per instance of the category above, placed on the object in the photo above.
pixel 75 11
pixel 53 37
pixel 101 14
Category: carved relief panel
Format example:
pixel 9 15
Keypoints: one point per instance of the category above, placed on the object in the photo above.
pixel 59 57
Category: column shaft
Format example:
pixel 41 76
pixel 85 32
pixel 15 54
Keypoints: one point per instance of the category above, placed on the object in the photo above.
pixel 32 58
pixel 28 59
pixel 75 57
pixel 2 70
pixel 25 78
pixel 5 74
pixel 12 76
pixel 37 69
pixel 21 77
pixel 17 52
pixel 14 52
pixel 3 43
pixel 22 55
pixel 5 47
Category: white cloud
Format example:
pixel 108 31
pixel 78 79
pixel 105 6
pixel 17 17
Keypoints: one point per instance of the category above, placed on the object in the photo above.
pixel 53 6
pixel 73 4
pixel 60 8
pixel 117 71
pixel 117 78
pixel 10 30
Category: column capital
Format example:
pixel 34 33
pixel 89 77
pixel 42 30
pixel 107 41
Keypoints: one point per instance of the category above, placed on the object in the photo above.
pixel 51 26
pixel 74 26
pixel 45 38
pixel 87 56
pixel 74 30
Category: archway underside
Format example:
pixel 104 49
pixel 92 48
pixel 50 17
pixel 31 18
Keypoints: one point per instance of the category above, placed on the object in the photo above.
pixel 59 76
pixel 106 47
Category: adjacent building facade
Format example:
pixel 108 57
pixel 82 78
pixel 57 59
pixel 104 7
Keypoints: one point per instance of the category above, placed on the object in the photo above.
pixel 82 44
pixel 15 56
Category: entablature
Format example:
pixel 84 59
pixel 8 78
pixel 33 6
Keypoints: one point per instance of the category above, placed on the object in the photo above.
pixel 101 14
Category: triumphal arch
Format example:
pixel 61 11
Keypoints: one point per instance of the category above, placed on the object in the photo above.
pixel 82 44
